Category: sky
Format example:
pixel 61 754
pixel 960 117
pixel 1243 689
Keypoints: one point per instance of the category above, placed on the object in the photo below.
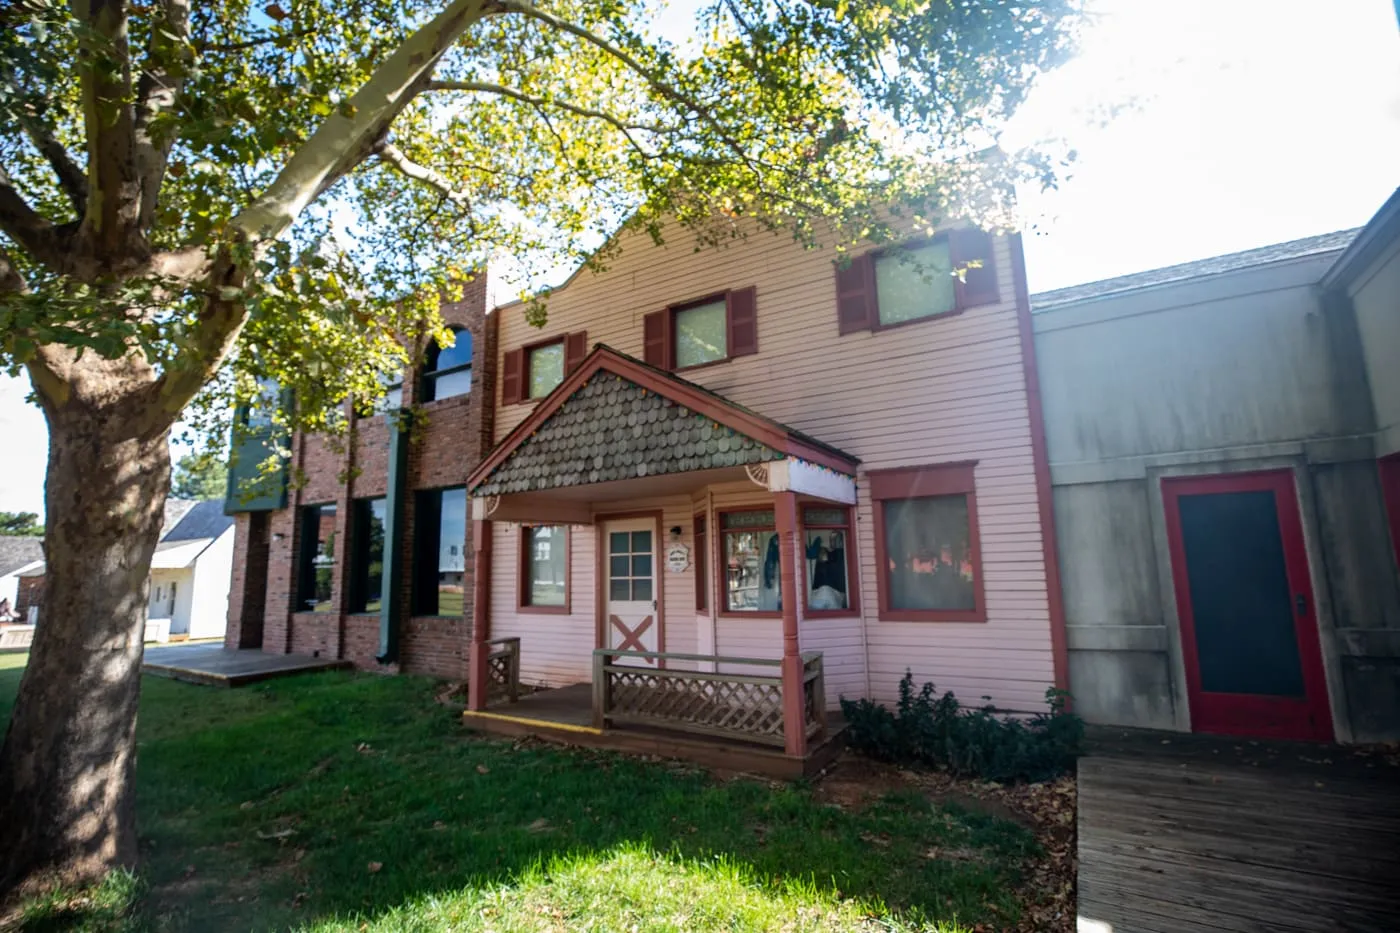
pixel 1249 122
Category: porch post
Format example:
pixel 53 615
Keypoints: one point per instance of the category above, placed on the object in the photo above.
pixel 794 720
pixel 478 680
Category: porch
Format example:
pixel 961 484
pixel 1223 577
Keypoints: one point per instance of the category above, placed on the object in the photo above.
pixel 648 538
pixel 644 703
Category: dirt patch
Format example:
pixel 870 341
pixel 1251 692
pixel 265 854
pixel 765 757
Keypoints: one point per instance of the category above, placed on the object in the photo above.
pixel 1047 809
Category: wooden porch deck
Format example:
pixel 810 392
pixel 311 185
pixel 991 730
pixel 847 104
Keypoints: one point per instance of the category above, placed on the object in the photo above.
pixel 1197 833
pixel 565 715
pixel 212 664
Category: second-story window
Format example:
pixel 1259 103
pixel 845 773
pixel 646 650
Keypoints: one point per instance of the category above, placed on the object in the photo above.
pixel 531 372
pixel 701 334
pixel 546 368
pixel 448 370
pixel 705 330
pixel 919 281
pixel 913 284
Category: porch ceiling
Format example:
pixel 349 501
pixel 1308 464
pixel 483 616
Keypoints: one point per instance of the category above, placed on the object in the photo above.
pixel 616 422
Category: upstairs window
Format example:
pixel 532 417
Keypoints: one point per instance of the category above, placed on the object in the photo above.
pixel 392 399
pixel 913 284
pixel 531 372
pixel 918 281
pixel 546 368
pixel 447 371
pixel 708 330
pixel 701 334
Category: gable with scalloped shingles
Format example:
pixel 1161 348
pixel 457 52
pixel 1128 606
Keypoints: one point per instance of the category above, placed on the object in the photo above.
pixel 613 429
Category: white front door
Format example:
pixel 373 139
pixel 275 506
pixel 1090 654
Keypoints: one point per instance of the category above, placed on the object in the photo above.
pixel 630 591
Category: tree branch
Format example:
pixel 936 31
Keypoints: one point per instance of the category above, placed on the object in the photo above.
pixel 489 88
pixel 71 178
pixel 206 47
pixel 394 157
pixel 156 93
pixel 104 79
pixel 342 141
pixel 44 241
pixel 656 83
pixel 347 137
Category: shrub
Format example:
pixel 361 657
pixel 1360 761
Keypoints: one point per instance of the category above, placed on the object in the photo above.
pixel 937 730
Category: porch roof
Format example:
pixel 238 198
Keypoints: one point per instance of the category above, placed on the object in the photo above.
pixel 618 418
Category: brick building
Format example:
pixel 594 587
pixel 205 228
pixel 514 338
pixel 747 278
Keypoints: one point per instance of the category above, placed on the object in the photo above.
pixel 368 559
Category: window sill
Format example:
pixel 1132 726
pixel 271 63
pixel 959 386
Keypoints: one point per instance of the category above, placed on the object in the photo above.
pixel 463 399
pixel 879 328
pixel 933 615
pixel 755 614
pixel 540 611
pixel 694 367
pixel 851 613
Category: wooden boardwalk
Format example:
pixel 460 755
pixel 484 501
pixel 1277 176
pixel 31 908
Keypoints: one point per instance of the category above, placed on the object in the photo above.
pixel 1182 837
pixel 211 664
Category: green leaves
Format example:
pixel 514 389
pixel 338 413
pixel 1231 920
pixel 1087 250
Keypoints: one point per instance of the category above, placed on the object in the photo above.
pixel 544 131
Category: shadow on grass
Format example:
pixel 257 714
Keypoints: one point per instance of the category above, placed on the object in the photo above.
pixel 336 798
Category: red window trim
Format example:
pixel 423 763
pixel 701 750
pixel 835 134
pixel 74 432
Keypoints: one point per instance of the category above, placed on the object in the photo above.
pixel 960 299
pixel 700 531
pixel 522 574
pixel 675 309
pixel 852 567
pixel 720 585
pixel 944 479
pixel 529 348
pixel 671 333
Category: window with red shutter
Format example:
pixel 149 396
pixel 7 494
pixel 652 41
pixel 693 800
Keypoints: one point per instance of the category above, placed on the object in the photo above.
pixel 512 377
pixel 655 338
pixel 855 295
pixel 979 283
pixel 741 308
pixel 575 349
pixel 919 281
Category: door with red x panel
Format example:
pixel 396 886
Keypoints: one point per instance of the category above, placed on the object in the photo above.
pixel 630 591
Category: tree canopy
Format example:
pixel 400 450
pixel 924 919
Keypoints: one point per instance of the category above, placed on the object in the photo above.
pixel 202 475
pixel 328 170
pixel 20 524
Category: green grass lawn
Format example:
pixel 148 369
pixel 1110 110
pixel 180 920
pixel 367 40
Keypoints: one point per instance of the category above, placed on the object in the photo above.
pixel 352 802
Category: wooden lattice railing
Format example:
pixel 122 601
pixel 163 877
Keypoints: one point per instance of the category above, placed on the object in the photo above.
pixel 503 669
pixel 633 687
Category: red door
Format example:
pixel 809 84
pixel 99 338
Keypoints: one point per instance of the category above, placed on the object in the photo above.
pixel 1248 625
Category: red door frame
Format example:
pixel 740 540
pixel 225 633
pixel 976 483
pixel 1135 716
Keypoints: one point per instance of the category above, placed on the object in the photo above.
pixel 1389 468
pixel 1309 718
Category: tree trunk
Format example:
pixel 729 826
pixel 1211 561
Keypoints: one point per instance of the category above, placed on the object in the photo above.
pixel 67 800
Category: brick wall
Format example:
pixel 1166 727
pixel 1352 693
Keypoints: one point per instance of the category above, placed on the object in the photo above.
pixel 30 592
pixel 454 435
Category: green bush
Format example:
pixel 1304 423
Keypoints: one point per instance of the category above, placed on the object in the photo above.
pixel 939 731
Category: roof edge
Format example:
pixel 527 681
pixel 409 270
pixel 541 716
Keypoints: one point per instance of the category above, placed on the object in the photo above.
pixel 1380 231
pixel 696 397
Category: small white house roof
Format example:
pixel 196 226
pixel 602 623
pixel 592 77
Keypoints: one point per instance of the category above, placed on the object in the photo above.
pixel 176 555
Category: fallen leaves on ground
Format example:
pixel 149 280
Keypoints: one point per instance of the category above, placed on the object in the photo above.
pixel 1048 809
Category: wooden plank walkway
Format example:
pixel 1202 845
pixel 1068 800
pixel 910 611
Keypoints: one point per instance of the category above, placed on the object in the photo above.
pixel 214 665
pixel 1176 840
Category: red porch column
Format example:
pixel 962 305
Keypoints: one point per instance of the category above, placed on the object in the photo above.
pixel 794 718
pixel 478 681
